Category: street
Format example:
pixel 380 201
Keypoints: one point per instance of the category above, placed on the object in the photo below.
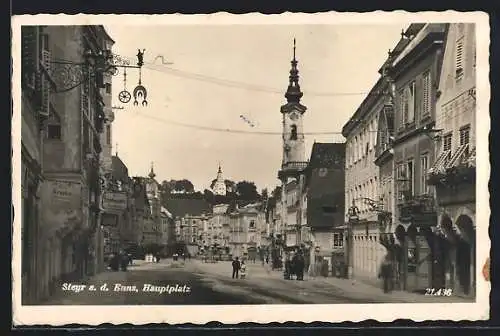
pixel 196 283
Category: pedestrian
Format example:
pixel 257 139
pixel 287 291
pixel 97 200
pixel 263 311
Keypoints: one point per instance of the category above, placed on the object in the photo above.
pixel 184 256
pixel 288 269
pixel 130 259
pixel 386 274
pixel 267 259
pixel 236 267
pixel 158 257
pixel 299 266
pixel 243 270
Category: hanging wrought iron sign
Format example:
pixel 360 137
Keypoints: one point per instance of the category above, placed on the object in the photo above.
pixel 66 75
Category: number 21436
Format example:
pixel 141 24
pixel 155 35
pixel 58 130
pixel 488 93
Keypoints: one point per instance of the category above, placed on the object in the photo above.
pixel 439 291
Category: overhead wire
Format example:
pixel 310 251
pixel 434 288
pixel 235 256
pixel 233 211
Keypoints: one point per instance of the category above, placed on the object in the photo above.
pixel 236 84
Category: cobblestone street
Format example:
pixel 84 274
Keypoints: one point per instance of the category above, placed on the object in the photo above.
pixel 211 283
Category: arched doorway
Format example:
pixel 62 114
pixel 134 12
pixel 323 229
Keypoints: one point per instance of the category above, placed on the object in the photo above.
pixel 442 265
pixel 465 258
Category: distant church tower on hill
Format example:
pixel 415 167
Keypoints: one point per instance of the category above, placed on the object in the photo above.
pixel 219 186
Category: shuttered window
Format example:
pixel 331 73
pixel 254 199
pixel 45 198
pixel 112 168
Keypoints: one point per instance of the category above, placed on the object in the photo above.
pixel 29 55
pixel 426 93
pixel 459 59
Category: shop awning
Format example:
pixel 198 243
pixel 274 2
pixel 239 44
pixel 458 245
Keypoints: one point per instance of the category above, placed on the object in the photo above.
pixel 439 164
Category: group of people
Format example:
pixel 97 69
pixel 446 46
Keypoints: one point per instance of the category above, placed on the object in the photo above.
pixel 295 267
pixel 239 268
pixel 120 261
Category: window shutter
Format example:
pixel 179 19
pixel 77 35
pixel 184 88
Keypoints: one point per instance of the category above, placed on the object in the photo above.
pixel 45 85
pixel 29 55
pixel 459 58
pixel 426 93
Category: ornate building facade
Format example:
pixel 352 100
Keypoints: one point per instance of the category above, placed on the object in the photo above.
pixel 453 173
pixel 61 137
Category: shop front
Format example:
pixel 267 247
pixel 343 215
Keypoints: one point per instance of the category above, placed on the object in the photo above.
pixel 415 233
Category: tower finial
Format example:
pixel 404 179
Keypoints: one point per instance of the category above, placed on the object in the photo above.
pixel 293 93
pixel 294 46
pixel 152 173
pixel 116 150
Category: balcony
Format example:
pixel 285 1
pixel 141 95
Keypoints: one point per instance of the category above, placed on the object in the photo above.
pixel 419 209
pixel 294 165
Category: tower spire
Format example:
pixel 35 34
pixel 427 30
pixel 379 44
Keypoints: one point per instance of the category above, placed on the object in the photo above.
pixel 116 149
pixel 293 93
pixel 152 173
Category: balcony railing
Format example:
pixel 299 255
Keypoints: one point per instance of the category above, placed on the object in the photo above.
pixel 414 206
pixel 294 165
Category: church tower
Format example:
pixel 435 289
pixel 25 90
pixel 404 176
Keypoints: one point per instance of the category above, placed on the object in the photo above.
pixel 292 112
pixel 219 186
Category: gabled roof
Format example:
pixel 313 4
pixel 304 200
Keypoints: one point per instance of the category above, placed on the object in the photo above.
pixel 119 169
pixel 181 207
pixel 326 155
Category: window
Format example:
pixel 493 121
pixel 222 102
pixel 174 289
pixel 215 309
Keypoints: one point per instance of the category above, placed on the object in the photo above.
pixel 447 142
pixel 459 54
pixel 426 94
pixel 411 177
pixel 403 107
pixel 54 132
pixel 252 224
pixel 338 240
pixel 464 135
pixel 424 166
pixel 108 88
pixel 411 102
pixel 108 134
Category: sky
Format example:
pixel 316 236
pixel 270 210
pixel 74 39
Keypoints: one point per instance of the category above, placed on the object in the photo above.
pixel 220 73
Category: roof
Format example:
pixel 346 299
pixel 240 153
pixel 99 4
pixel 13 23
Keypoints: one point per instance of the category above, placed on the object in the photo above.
pixel 181 207
pixel 327 155
pixel 119 169
pixel 164 211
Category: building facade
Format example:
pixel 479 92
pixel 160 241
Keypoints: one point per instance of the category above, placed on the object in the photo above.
pixel 453 172
pixel 116 217
pixel 323 213
pixel 245 225
pixel 61 234
pixel 190 217
pixel 33 115
pixel 414 146
pixel 362 185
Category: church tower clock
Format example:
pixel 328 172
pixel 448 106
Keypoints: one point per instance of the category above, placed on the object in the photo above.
pixel 292 113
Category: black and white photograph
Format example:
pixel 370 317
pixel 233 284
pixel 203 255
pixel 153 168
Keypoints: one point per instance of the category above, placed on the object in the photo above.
pixel 252 163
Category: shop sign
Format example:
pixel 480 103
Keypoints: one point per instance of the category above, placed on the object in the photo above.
pixel 114 201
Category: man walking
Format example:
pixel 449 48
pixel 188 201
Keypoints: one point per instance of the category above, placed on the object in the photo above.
pixel 386 274
pixel 236 267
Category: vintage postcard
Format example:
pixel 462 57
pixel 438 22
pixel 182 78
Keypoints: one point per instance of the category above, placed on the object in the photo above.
pixel 250 168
